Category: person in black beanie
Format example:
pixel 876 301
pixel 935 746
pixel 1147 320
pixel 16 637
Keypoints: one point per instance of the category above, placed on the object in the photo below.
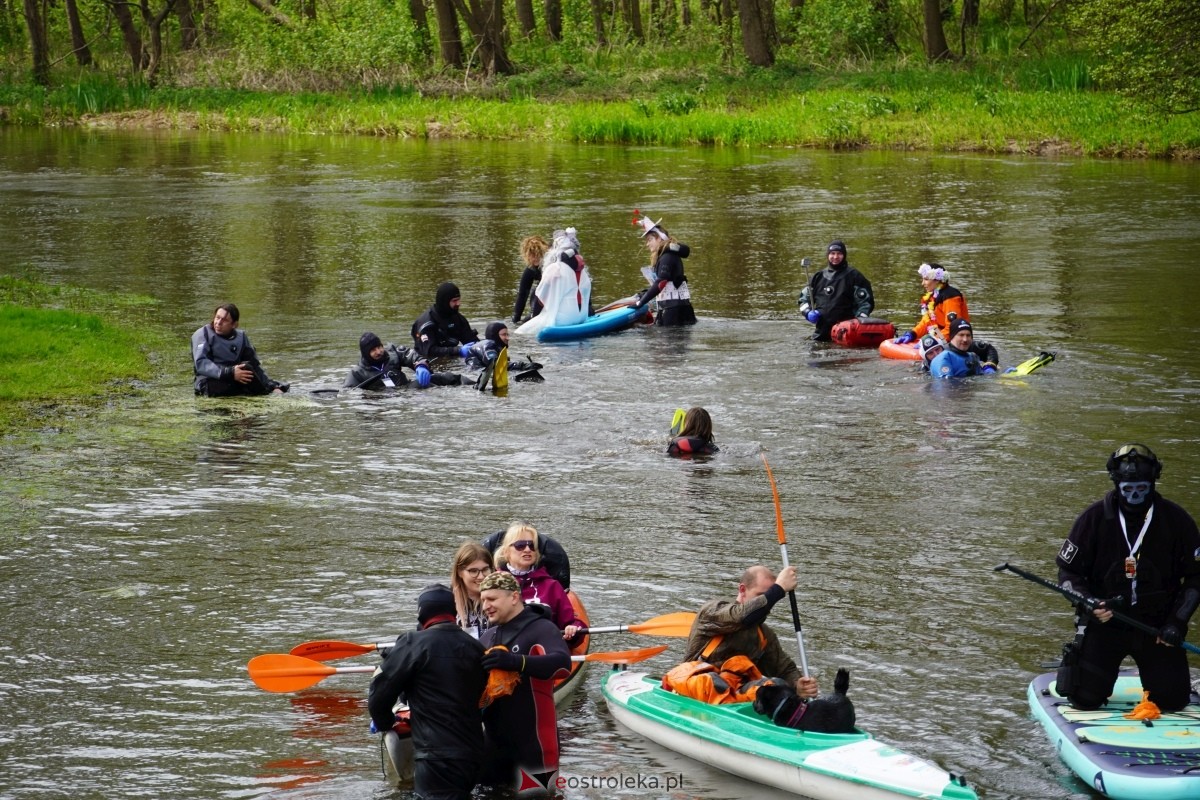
pixel 380 366
pixel 442 331
pixel 835 294
pixel 438 670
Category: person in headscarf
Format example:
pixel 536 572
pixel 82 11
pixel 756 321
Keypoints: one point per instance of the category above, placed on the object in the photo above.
pixel 442 331
pixel 835 294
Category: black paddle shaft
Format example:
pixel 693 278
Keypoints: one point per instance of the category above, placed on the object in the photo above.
pixel 1089 603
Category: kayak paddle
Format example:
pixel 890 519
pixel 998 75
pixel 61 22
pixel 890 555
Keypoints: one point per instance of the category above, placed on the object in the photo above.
pixel 282 672
pixel 676 625
pixel 783 549
pixel 1088 603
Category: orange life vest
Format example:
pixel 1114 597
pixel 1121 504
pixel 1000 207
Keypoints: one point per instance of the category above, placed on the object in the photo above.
pixel 736 680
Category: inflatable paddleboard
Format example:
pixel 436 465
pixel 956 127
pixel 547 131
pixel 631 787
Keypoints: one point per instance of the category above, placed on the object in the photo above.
pixel 866 332
pixel 595 325
pixel 1124 759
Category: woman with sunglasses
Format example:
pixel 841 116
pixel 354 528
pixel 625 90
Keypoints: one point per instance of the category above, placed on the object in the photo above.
pixel 472 563
pixel 518 554
pixel 1137 545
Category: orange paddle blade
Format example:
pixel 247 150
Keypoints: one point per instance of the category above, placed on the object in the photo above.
pixel 279 672
pixel 678 624
pixel 325 650
pixel 623 656
pixel 778 509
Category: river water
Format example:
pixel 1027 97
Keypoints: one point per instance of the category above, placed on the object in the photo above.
pixel 151 550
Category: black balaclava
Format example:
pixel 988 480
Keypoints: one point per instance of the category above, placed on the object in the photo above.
pixel 366 343
pixel 445 293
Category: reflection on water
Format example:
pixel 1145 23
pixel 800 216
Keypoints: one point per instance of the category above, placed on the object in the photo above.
pixel 155 550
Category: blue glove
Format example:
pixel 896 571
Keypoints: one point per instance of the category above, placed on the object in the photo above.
pixel 988 369
pixel 424 376
pixel 813 316
pixel 464 350
pixel 905 338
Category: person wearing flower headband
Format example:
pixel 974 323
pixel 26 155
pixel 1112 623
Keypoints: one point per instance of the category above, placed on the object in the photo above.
pixel 940 305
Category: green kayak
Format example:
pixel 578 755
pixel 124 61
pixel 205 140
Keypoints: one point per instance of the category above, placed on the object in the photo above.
pixel 738 740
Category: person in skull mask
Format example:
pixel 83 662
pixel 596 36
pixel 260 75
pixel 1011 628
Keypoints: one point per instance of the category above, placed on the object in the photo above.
pixel 835 294
pixel 1141 547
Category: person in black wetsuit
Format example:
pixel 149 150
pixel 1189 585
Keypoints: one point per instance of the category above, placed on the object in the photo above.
pixel 437 670
pixel 380 367
pixel 670 285
pixel 442 331
pixel 224 361
pixel 533 249
pixel 521 729
pixel 1137 545
pixel 835 294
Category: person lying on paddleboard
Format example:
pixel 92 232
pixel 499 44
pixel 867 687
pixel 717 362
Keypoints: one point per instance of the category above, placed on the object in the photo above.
pixel 442 331
pixel 472 563
pixel 738 628
pixel 940 305
pixel 533 249
pixel 518 555
pixel 962 355
pixel 693 435
pixel 380 367
pixel 438 670
pixel 521 727
pixel 835 294
pixel 670 286
pixel 1137 545
pixel 224 361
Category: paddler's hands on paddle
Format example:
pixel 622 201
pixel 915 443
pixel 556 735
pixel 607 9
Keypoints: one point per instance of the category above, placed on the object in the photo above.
pixel 786 579
pixel 570 631
pixel 807 688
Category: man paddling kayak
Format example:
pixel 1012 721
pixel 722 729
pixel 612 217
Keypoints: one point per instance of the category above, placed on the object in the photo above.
pixel 739 628
pixel 437 670
pixel 1137 545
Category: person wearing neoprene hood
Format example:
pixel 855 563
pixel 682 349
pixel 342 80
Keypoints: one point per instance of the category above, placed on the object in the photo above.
pixel 1136 545
pixel 963 354
pixel 438 671
pixel 442 331
pixel 835 294
pixel 224 361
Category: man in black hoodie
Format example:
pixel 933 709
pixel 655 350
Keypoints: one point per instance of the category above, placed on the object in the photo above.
pixel 1135 544
pixel 835 294
pixel 437 670
pixel 442 331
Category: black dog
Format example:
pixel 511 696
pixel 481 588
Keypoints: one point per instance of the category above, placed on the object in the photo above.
pixel 833 713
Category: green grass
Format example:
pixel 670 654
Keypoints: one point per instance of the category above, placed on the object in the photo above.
pixel 65 347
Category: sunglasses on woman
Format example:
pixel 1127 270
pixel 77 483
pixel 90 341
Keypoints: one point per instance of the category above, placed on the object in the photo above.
pixel 524 544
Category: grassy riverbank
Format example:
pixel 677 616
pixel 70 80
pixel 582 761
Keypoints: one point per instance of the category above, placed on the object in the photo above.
pixel 64 349
pixel 1043 106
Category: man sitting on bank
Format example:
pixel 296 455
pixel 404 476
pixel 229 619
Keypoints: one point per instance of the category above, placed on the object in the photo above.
pixel 225 362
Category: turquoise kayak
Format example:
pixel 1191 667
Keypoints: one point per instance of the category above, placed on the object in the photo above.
pixel 1125 759
pixel 605 322
pixel 738 740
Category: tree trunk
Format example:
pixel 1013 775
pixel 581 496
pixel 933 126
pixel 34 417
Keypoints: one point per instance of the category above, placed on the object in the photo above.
pixel 758 31
pixel 83 56
pixel 154 23
pixel 485 20
pixel 936 48
pixel 308 8
pixel 189 34
pixel 598 22
pixel 273 14
pixel 416 10
pixel 970 13
pixel 632 10
pixel 129 32
pixel 525 18
pixel 554 19
pixel 450 45
pixel 39 44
